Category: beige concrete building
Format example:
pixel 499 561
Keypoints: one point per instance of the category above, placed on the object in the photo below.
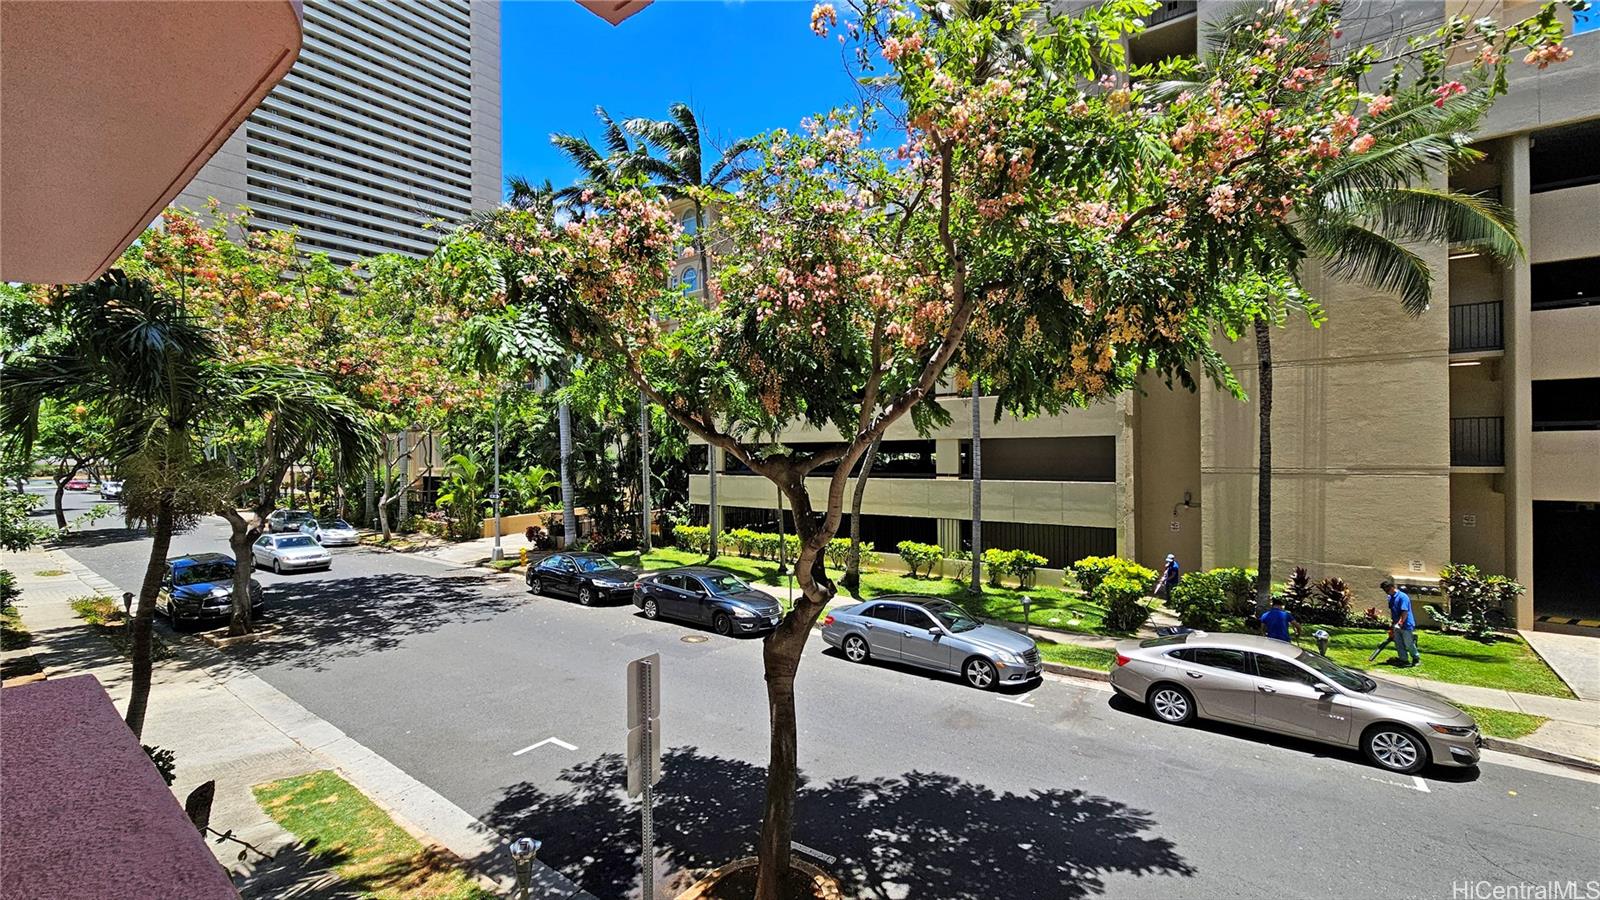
pixel 1470 434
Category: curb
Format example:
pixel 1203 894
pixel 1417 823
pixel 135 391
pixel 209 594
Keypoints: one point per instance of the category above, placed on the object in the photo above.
pixel 1517 748
pixel 1076 671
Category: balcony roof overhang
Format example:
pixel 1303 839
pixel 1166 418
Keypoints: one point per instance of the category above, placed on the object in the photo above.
pixel 107 111
pixel 614 11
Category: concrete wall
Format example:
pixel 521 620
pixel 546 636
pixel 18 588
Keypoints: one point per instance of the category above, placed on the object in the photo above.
pixel 1566 466
pixel 486 115
pixel 1478 521
pixel 1565 224
pixel 1166 442
pixel 1566 342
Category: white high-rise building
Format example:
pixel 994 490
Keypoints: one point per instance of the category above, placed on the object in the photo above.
pixel 389 121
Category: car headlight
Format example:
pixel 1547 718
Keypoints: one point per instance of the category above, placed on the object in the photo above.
pixel 1453 730
pixel 1008 656
pixel 743 613
pixel 221 592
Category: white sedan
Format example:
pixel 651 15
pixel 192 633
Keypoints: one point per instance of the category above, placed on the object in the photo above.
pixel 337 533
pixel 290 552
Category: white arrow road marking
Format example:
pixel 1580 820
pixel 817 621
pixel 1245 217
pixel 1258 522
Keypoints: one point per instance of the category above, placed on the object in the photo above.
pixel 1421 785
pixel 1020 700
pixel 549 740
pixel 1417 784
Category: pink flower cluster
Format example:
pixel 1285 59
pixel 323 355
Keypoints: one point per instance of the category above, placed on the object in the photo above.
pixel 823 16
pixel 1445 91
pixel 1549 53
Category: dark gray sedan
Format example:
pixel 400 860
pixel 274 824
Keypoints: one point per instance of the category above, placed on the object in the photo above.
pixel 934 634
pixel 708 596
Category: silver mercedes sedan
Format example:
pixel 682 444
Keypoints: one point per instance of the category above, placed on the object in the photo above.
pixel 1252 680
pixel 933 634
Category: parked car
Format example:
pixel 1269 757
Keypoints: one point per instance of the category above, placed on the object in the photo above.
pixel 708 596
pixel 285 520
pixel 335 533
pixel 200 587
pixel 78 484
pixel 1252 680
pixel 933 634
pixel 588 577
pixel 290 552
pixel 110 490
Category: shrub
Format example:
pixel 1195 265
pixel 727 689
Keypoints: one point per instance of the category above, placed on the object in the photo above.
pixel 1330 603
pixel 1477 603
pixel 837 553
pixel 694 538
pixel 1199 599
pixel 995 563
pixel 920 556
pixel 962 560
pixel 1238 589
pixel 742 540
pixel 1022 565
pixel 1091 570
pixel 97 610
pixel 539 538
pixel 1123 598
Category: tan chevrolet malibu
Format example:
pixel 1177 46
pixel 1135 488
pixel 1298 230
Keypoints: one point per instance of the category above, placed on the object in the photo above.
pixel 1251 680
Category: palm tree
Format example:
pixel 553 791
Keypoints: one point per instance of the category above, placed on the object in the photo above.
pixel 138 356
pixel 682 172
pixel 1359 216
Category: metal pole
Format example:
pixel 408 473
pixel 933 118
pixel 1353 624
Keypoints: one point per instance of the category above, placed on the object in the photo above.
pixel 647 822
pixel 644 469
pixel 498 554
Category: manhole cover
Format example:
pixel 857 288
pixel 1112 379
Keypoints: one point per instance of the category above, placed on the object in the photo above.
pixel 694 639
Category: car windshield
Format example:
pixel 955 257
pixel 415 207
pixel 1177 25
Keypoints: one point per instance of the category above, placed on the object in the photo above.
pixel 725 584
pixel 299 540
pixel 203 573
pixel 1334 672
pixel 952 618
pixel 592 564
pixel 297 517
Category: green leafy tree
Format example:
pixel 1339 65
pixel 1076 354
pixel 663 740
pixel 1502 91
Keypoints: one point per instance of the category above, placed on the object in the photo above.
pixel 1052 234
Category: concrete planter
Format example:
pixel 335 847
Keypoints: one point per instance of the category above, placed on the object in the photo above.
pixel 221 641
pixel 715 885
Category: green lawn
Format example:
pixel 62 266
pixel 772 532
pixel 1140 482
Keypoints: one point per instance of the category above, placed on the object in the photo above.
pixel 1098 658
pixel 339 826
pixel 1502 723
pixel 13 634
pixel 1051 607
pixel 1508 663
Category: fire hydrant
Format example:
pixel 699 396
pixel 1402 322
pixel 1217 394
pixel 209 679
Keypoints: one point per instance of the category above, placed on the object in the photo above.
pixel 522 556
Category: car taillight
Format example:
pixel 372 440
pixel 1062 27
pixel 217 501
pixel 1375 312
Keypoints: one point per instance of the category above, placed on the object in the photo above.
pixel 828 621
pixel 1123 660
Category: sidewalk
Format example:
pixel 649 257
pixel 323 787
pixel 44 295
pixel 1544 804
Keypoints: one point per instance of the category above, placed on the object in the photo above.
pixel 224 723
pixel 1575 658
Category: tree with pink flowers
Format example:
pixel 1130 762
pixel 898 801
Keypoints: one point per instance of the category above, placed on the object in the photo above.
pixel 1008 203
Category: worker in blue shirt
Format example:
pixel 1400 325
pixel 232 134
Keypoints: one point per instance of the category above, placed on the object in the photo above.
pixel 1403 623
pixel 1275 622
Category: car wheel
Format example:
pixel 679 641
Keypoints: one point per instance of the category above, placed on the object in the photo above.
pixel 651 610
pixel 277 567
pixel 855 649
pixel 586 595
pixel 979 673
pixel 722 624
pixel 536 585
pixel 1395 748
pixel 1171 704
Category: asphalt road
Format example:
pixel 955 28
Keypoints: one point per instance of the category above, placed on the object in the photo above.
pixel 920 786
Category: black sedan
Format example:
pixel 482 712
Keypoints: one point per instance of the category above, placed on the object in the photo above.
pixel 708 596
pixel 589 577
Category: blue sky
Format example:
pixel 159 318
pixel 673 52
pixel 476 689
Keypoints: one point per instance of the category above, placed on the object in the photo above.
pixel 744 67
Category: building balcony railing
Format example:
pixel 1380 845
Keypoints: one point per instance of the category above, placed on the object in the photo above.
pixel 1477 441
pixel 1169 11
pixel 1475 327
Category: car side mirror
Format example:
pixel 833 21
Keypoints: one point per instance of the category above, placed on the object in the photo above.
pixel 935 632
pixel 1325 689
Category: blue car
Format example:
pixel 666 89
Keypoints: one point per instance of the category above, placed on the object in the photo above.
pixel 199 587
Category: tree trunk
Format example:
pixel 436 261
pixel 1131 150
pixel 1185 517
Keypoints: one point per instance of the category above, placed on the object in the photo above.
pixel 569 512
pixel 644 470
pixel 713 520
pixel 369 501
pixel 1264 466
pixel 781 654
pixel 404 486
pixel 852 574
pixel 977 490
pixel 144 614
pixel 61 493
pixel 240 537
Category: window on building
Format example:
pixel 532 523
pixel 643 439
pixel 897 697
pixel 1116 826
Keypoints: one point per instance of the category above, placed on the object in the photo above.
pixel 1566 404
pixel 689 281
pixel 1571 282
pixel 689 224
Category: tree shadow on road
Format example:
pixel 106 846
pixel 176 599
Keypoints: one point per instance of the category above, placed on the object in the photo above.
pixel 328 619
pixel 920 834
